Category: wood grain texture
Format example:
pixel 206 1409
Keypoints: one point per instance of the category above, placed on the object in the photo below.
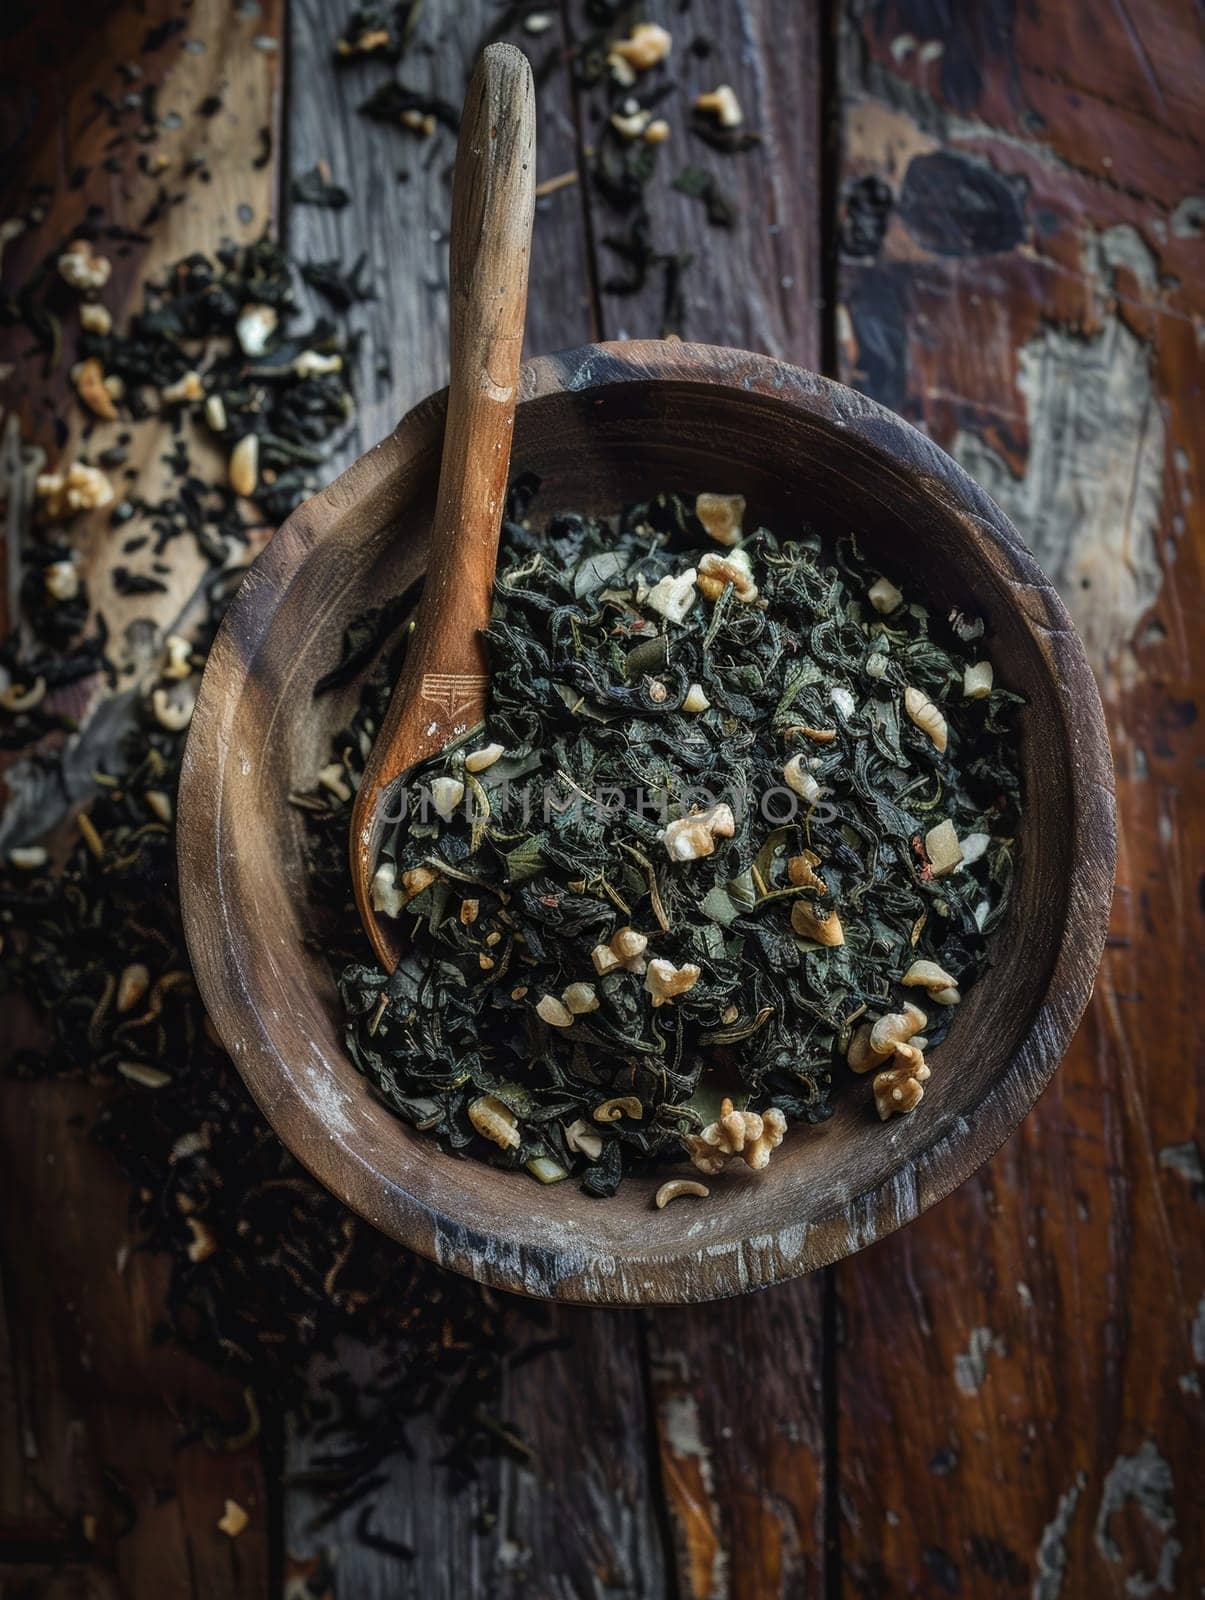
pixel 1027 295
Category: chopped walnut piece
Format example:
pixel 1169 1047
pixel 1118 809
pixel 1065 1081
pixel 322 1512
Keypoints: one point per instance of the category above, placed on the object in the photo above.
pixel 666 982
pixel 884 596
pixel 900 1089
pixel 579 998
pixel 872 1043
pixel 722 104
pixel 631 125
pixel 79 488
pixel 646 45
pixel 716 572
pixel 817 922
pixel 81 268
pixel 798 779
pixel 689 838
pixel 233 1520
pixel 582 1139
pixel 672 596
pixel 744 1133
pixel 928 975
pixel 95 319
pixel 676 1188
pixel 927 717
pixel 977 681
pixel 801 872
pixel 244 465
pixel 624 1105
pixel 495 1121
pixel 721 516
pixel 554 1012
pixel 89 379
pixel 626 949
pixel 187 387
pixel 943 849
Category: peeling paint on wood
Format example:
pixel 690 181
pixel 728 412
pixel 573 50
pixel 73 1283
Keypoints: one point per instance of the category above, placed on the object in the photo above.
pixel 1051 1555
pixel 1090 500
pixel 1145 1480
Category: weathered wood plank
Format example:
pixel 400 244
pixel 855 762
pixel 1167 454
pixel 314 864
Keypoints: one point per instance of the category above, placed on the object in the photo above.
pixel 580 1517
pixel 94 1485
pixel 755 285
pixel 400 187
pixel 1022 281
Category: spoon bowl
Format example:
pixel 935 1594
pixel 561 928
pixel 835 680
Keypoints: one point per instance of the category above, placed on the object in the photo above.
pixel 603 426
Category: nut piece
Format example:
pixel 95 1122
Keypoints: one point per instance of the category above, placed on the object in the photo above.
pixel 898 1090
pixel 716 571
pixel 801 871
pixel 873 1043
pixel 665 982
pixel 625 950
pixel 81 269
pixel 479 760
pixel 884 596
pixel 173 709
pixel 95 319
pixel 80 488
pixel 416 879
pixel 943 850
pixel 624 1105
pixel 631 125
pixel 928 975
pixel 61 579
pixel 657 131
pixel 446 795
pixel 255 326
pixel 673 596
pixel 386 897
pixel 646 45
pixel 723 105
pixel 927 717
pixel 696 700
pixel 579 998
pixel 551 1010
pixel 495 1121
pixel 817 922
pixel 186 387
pixel 580 1137
pixel 22 697
pixel 244 465
pixel 313 364
pixel 892 1032
pixel 134 982
pixel 689 838
pixel 233 1520
pixel 89 381
pixel 179 657
pixel 721 516
pixel 742 1133
pixel 796 777
pixel 676 1188
pixel 977 681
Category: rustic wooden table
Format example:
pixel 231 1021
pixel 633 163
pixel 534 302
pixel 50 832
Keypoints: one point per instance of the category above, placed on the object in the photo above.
pixel 991 218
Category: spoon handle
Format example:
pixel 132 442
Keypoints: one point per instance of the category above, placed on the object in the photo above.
pixel 493 203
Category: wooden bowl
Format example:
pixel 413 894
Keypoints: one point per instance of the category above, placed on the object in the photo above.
pixel 602 426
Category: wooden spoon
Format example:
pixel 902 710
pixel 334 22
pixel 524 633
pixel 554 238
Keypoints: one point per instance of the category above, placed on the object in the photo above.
pixel 441 692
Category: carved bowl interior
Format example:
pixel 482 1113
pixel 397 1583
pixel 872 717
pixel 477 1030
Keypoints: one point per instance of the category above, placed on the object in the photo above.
pixel 602 426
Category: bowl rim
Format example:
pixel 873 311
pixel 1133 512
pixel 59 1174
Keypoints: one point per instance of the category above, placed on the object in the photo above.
pixel 690 1271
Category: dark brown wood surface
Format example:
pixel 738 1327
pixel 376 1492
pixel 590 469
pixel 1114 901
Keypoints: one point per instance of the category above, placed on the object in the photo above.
pixel 1004 1398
